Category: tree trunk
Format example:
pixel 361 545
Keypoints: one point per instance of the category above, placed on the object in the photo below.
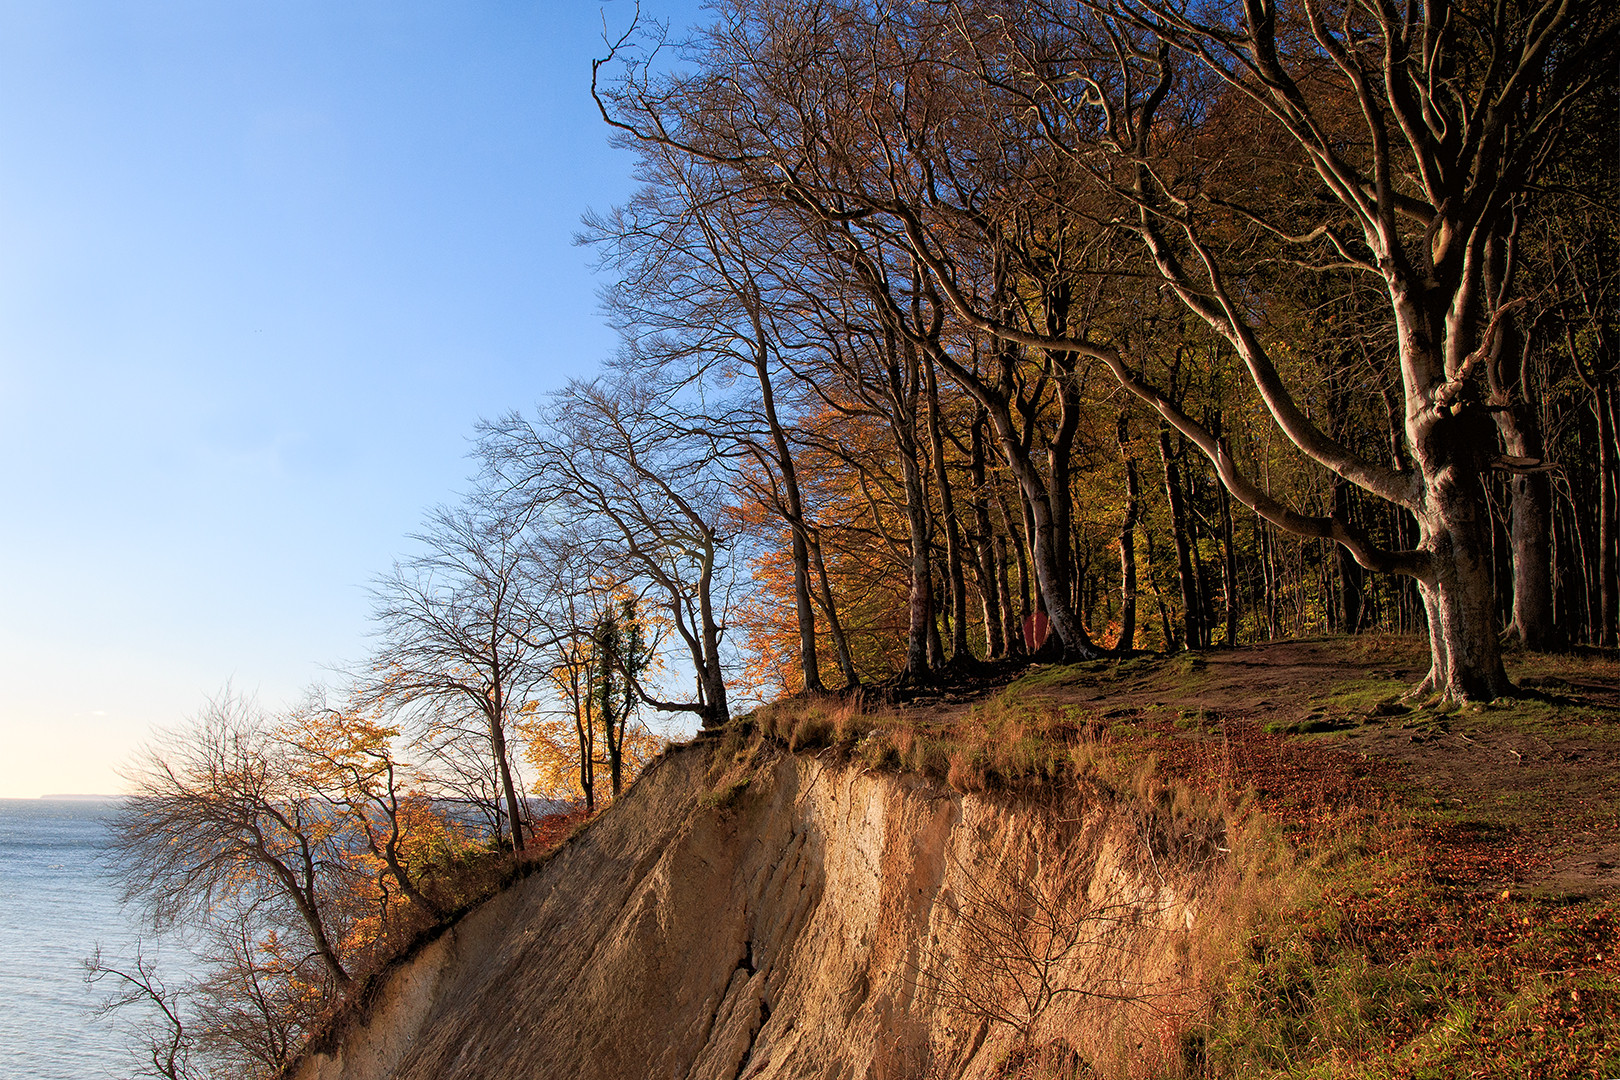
pixel 1127 555
pixel 920 606
pixel 1058 472
pixel 1351 577
pixel 1015 537
pixel 1451 449
pixel 305 900
pixel 1009 617
pixel 835 626
pixel 716 710
pixel 956 581
pixel 804 610
pixel 1531 525
pixel 497 739
pixel 794 512
pixel 1530 495
pixel 585 729
pixel 902 387
pixel 1229 568
pixel 607 635
pixel 1191 621
pixel 1051 574
pixel 1608 583
pixel 1268 573
pixel 936 646
pixel 986 562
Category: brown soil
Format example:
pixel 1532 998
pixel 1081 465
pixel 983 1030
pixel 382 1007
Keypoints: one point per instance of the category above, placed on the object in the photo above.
pixel 1531 788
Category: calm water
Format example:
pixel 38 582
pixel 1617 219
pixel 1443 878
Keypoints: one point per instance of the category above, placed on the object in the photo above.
pixel 56 903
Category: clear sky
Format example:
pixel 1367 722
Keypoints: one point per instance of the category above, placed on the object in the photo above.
pixel 263 263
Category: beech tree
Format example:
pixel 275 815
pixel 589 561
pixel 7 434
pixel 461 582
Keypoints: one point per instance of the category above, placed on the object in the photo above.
pixel 638 493
pixel 350 758
pixel 214 817
pixel 1410 137
pixel 456 638
pixel 703 295
pixel 1456 111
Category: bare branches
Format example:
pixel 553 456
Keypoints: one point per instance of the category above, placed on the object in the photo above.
pixel 637 488
pixel 456 637
pixel 1027 935
pixel 214 817
pixel 166 1047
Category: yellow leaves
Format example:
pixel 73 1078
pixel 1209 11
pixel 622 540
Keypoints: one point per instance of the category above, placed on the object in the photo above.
pixel 551 752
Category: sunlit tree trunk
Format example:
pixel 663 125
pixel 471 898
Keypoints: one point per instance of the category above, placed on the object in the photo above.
pixel 989 573
pixel 956 581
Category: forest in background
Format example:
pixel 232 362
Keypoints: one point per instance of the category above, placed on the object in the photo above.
pixel 955 334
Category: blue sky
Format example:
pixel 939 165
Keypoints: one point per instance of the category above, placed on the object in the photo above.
pixel 263 263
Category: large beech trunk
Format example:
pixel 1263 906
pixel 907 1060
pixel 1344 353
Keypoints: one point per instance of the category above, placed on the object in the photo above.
pixel 1466 658
pixel 1451 450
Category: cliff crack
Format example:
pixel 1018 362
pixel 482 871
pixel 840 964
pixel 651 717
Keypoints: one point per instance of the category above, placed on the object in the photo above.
pixel 753 1038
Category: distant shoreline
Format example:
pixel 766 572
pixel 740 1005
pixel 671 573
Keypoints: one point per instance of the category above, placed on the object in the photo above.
pixel 76 798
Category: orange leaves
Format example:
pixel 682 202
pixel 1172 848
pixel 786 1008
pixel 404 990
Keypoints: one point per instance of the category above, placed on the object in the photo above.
pixel 551 752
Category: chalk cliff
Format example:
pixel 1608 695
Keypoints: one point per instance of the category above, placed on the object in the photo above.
pixel 800 917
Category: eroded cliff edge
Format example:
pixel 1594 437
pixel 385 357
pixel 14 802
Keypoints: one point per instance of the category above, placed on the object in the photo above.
pixel 814 920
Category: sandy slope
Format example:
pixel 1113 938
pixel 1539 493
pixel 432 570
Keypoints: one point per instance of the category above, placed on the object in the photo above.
pixel 810 925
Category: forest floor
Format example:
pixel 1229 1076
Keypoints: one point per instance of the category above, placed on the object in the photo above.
pixel 1535 778
pixel 1466 915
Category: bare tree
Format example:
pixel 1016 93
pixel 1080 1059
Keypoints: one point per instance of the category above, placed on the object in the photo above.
pixel 710 285
pixel 1418 128
pixel 166 1041
pixel 638 491
pixel 215 818
pixel 456 640
pixel 845 140
pixel 253 1012
pixel 351 759
pixel 1027 936
pixel 1423 125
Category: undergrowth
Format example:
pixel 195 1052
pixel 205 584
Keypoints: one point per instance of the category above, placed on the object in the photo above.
pixel 1005 743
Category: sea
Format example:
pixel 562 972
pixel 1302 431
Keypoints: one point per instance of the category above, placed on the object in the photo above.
pixel 57 903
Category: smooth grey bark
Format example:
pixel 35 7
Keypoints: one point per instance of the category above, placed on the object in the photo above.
pixel 793 509
pixel 829 608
